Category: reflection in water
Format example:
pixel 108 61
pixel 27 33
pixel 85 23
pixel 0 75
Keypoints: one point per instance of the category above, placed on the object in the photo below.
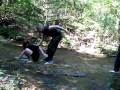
pixel 115 84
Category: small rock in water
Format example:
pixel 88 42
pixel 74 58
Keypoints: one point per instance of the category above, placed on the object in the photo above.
pixel 27 70
pixel 16 58
pixel 76 74
pixel 23 60
pixel 66 65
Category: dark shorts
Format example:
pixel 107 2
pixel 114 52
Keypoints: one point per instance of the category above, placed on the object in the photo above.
pixel 36 54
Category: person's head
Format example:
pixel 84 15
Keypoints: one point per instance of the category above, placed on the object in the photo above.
pixel 39 28
pixel 25 44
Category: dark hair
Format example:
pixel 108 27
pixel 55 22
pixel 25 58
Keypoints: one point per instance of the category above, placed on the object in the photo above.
pixel 25 44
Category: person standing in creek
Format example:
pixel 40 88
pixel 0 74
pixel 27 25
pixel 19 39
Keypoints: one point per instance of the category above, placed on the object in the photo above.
pixel 54 31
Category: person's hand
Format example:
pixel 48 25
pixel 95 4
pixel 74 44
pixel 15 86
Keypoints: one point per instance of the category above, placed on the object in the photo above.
pixel 29 62
pixel 45 55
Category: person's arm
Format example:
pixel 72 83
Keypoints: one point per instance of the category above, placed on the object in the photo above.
pixel 21 54
pixel 59 27
pixel 43 38
pixel 66 31
pixel 43 53
pixel 55 26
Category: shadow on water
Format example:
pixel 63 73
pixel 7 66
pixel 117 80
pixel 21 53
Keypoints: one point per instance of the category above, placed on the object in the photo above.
pixel 44 77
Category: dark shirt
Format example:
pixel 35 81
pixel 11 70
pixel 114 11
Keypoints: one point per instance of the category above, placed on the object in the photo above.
pixel 36 53
pixel 51 32
pixel 34 48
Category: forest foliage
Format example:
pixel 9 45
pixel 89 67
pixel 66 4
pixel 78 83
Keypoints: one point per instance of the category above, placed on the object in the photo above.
pixel 91 23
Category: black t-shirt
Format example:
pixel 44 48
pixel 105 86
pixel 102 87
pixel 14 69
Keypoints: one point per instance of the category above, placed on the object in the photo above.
pixel 51 32
pixel 36 53
pixel 34 48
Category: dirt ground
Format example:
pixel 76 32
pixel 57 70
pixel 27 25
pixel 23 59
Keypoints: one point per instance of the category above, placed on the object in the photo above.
pixel 19 76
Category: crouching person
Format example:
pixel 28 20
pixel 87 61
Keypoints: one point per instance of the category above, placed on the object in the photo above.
pixel 31 51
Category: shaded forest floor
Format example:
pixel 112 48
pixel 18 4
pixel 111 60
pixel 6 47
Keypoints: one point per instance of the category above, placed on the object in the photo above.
pixel 16 76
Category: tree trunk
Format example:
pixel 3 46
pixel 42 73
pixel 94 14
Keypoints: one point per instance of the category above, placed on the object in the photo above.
pixel 119 30
pixel 1 2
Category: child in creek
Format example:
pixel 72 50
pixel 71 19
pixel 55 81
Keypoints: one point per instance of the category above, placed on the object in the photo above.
pixel 32 51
